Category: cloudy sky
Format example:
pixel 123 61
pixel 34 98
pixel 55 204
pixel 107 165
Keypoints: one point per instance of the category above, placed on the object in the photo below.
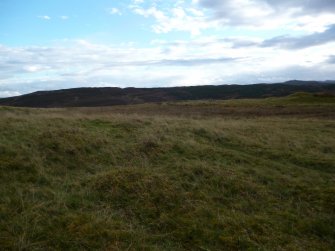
pixel 54 44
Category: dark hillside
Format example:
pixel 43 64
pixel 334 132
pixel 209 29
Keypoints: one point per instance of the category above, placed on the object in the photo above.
pixel 90 97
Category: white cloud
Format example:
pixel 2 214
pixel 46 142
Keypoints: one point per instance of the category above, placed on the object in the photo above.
pixel 313 16
pixel 114 11
pixel 32 68
pixel 200 15
pixel 44 17
pixel 177 18
pixel 64 17
pixel 199 61
pixel 4 94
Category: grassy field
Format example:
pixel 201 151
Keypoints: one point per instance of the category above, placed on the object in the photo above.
pixel 214 175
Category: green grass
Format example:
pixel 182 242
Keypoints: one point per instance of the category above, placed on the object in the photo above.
pixel 175 176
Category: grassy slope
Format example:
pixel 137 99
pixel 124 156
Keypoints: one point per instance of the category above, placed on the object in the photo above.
pixel 85 179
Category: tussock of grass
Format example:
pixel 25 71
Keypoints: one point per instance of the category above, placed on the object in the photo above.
pixel 74 180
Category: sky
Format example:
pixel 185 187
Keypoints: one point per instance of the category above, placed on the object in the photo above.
pixel 57 44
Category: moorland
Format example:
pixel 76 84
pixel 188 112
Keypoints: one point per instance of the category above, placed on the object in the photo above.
pixel 249 174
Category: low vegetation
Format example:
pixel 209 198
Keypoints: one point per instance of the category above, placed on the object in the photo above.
pixel 207 175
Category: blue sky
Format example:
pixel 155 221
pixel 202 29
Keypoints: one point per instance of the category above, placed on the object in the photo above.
pixel 54 44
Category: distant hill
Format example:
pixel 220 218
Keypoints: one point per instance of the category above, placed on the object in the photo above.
pixel 109 96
